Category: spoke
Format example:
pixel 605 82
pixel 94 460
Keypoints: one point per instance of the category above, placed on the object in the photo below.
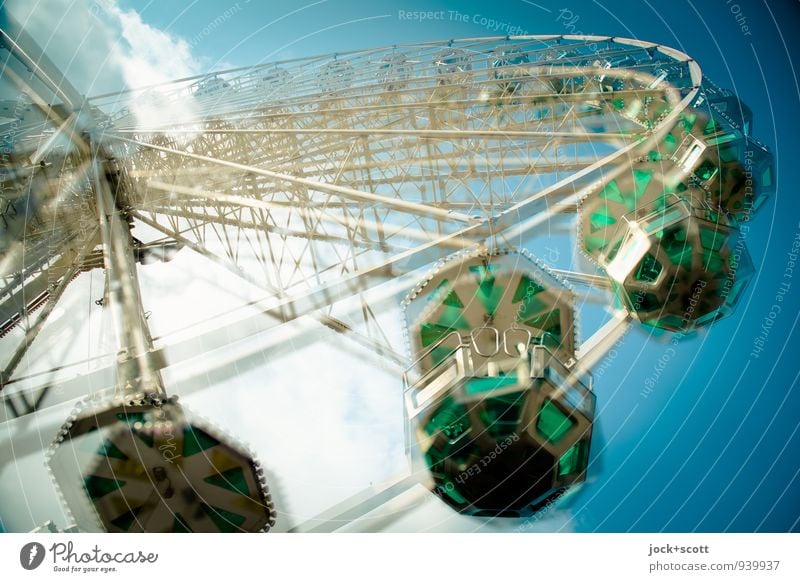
pixel 356 507
pixel 596 281
pixel 594 348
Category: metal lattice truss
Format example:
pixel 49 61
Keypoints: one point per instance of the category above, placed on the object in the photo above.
pixel 317 180
pixel 309 171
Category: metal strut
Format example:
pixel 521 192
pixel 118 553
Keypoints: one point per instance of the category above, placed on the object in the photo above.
pixel 137 372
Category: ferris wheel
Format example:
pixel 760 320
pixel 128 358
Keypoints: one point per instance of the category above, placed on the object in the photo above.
pixel 417 184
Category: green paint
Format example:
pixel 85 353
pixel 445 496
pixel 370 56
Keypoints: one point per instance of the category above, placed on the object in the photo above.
pixel 127 519
pixel 98 487
pixel 489 383
pixel 180 525
pixel 232 480
pixel 109 449
pixel 594 243
pixel 451 299
pixel 712 261
pixel 670 142
pixel 530 308
pixel 451 491
pixel 553 424
pixel 574 460
pixel 706 170
pixel 453 318
pixel 527 288
pixel 226 521
pixel 601 219
pixel 196 440
pixel 641 178
pixel 450 418
pixel 549 322
pixel 712 239
pixel 611 192
pixel 430 333
pixel 675 245
pixel 648 270
pixel 487 293
pixel 688 120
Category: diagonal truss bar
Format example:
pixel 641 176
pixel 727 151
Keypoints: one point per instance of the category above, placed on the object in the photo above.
pixel 381 228
pixel 343 191
pixel 20 44
pixel 33 331
pixel 326 320
pixel 421 133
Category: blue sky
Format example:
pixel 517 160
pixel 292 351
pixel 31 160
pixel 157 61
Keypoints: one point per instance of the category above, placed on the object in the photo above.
pixel 714 446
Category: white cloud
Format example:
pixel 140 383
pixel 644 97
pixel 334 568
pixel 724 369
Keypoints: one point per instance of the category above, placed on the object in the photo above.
pixel 102 48
pixel 76 42
pixel 327 421
pixel 148 55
